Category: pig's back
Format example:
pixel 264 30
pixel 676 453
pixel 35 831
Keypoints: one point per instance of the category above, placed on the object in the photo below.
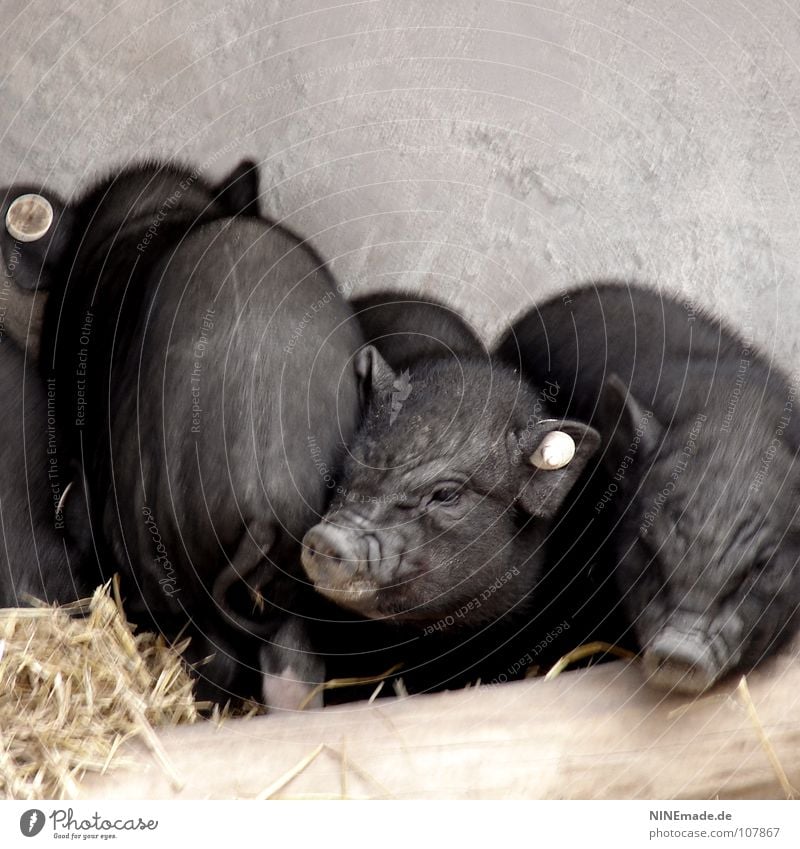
pixel 275 335
pixel 409 328
pixel 675 358
pixel 240 382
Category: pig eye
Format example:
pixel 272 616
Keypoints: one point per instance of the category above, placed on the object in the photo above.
pixel 445 495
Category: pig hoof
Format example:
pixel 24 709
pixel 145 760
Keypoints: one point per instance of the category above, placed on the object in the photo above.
pixel 680 664
pixel 286 692
pixel 29 217
pixel 291 672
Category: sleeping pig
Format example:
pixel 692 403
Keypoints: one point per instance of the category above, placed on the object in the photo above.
pixel 201 361
pixel 441 517
pixel 695 504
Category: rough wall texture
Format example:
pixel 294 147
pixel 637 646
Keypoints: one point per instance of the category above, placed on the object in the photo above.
pixel 490 151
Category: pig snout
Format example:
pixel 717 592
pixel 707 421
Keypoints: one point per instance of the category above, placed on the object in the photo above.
pixel 338 562
pixel 684 656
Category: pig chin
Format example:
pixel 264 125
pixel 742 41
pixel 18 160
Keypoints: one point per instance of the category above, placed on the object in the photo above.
pixel 359 596
pixel 362 596
pixel 381 603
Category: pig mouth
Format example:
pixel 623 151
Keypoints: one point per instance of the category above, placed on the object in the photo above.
pixel 363 573
pixel 333 580
pixel 358 593
pixel 337 573
pixel 371 601
pixel 361 596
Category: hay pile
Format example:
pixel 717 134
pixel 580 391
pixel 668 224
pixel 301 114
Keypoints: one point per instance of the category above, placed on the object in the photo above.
pixel 75 684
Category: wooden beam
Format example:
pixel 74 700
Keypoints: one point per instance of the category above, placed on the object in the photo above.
pixel 591 734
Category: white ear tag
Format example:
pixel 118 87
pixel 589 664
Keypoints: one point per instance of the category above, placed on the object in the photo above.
pixel 555 451
pixel 29 217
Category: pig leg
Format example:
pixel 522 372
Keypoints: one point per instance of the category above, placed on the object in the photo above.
pixel 249 570
pixel 290 669
pixel 215 667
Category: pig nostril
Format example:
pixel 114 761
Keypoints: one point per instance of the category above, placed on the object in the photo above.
pixel 321 551
pixel 326 552
pixel 320 548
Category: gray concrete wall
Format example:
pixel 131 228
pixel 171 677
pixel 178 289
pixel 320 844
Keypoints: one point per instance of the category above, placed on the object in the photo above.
pixel 491 152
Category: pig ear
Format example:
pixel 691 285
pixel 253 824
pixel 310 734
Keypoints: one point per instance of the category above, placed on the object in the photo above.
pixel 34 235
pixel 556 453
pixel 239 191
pixel 375 375
pixel 625 424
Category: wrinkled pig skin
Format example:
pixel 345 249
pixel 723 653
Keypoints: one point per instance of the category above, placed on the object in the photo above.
pixel 693 504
